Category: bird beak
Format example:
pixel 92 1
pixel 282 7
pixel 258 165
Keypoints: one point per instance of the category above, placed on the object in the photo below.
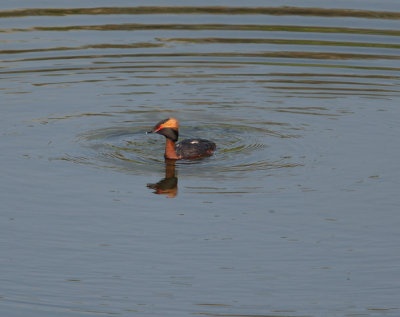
pixel 154 130
pixel 151 131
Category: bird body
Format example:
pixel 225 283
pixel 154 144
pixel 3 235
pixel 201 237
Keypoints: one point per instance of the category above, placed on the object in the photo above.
pixel 186 149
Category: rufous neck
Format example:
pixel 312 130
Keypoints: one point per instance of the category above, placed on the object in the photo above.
pixel 170 152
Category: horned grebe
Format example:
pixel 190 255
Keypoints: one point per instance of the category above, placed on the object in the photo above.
pixel 186 149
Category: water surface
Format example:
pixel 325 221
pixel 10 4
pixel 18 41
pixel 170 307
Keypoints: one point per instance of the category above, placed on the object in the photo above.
pixel 296 214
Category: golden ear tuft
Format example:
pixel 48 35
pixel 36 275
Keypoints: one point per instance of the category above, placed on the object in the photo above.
pixel 171 123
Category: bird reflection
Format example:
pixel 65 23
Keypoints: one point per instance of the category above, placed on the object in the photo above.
pixel 169 184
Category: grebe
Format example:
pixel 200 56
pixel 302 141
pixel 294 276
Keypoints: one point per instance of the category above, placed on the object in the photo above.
pixel 186 149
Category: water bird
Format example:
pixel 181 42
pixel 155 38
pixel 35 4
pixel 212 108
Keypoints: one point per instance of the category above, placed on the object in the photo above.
pixel 186 149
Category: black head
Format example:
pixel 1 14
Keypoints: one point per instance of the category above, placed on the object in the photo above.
pixel 168 128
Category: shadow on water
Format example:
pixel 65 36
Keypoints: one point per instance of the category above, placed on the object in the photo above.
pixel 220 10
pixel 169 184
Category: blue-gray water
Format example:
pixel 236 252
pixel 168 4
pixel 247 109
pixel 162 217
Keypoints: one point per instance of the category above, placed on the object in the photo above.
pixel 296 214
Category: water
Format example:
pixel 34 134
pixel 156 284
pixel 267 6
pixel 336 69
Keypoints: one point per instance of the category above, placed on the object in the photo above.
pixel 296 214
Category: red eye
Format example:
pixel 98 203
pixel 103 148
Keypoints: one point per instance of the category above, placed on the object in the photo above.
pixel 158 129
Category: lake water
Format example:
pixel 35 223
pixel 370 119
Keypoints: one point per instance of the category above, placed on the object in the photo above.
pixel 296 214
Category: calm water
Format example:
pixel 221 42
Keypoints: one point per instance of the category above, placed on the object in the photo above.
pixel 297 213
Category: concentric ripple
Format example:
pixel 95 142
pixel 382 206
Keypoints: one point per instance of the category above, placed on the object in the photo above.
pixel 240 148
